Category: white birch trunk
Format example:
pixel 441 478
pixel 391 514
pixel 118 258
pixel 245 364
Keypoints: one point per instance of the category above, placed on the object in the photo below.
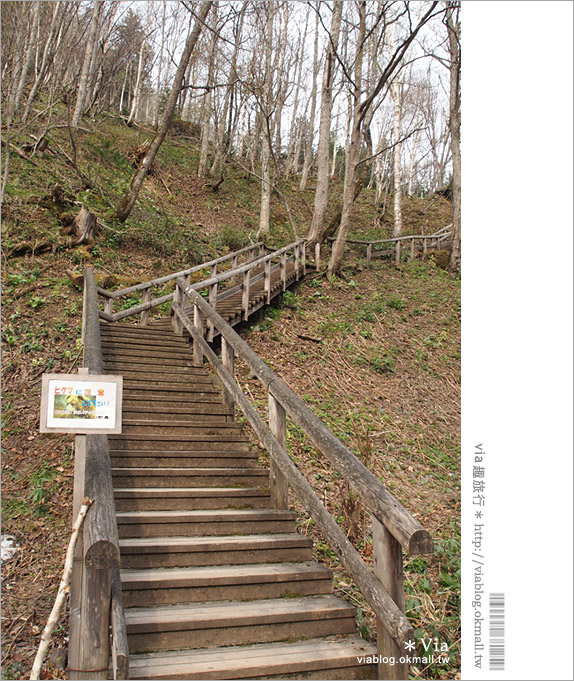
pixel 398 217
pixel 87 63
pixel 322 190
pixel 309 143
pixel 265 213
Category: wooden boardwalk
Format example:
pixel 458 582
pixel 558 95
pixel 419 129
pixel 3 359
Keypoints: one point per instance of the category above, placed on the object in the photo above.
pixel 190 556
pixel 217 584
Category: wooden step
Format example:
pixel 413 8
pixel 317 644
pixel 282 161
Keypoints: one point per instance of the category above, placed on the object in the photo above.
pixel 159 341
pixel 247 476
pixel 144 588
pixel 204 522
pixel 184 460
pixel 123 349
pixel 190 498
pixel 166 376
pixel 149 369
pixel 219 431
pixel 141 397
pixel 338 657
pixel 147 553
pixel 159 444
pixel 237 623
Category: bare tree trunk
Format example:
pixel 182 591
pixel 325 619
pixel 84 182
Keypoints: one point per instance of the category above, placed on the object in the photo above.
pixel 264 215
pixel 309 142
pixel 138 86
pixel 353 151
pixel 360 113
pixel 29 51
pixel 398 216
pixel 206 111
pixel 453 26
pixel 159 72
pixel 130 198
pixel 322 190
pixel 294 131
pixel 87 63
pixel 47 55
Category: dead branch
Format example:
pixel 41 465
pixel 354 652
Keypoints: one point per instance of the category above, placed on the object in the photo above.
pixel 64 584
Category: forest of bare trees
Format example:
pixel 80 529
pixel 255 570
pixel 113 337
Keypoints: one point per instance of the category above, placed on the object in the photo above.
pixel 366 92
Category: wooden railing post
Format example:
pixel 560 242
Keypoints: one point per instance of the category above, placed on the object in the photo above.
pixel 146 298
pixel 369 255
pixel 277 481
pixel 214 270
pixel 109 306
pixel 178 298
pixel 425 247
pixel 284 271
pixel 296 261
pixel 213 303
pixel 398 253
pixel 267 282
pixel 245 295
pixel 77 578
pixel 228 359
pixel 412 256
pixel 304 257
pixel 317 256
pixel 198 323
pixel 388 568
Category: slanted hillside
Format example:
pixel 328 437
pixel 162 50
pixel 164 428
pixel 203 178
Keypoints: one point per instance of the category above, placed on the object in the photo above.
pixel 376 353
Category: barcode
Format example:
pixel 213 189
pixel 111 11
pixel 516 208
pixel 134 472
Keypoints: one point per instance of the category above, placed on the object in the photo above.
pixel 497 650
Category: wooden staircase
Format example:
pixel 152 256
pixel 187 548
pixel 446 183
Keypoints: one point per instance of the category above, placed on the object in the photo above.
pixel 217 583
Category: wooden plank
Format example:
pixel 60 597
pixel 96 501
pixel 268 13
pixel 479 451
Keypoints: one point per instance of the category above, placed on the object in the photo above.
pixel 322 656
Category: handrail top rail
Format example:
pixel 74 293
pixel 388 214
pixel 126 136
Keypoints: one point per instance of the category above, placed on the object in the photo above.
pixel 396 238
pixel 228 274
pixel 169 277
pixel 405 528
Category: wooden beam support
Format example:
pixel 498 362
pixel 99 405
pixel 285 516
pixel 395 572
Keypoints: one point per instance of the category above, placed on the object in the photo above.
pixel 245 295
pixel 198 323
pixel 388 568
pixel 228 360
pixel 398 254
pixel 317 256
pixel 267 282
pixel 146 298
pixel 213 303
pixel 277 481
pixel 369 255
pixel 284 271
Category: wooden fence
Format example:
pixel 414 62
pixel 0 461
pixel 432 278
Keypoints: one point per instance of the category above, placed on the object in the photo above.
pixel 252 253
pixel 97 624
pixel 394 529
pixel 428 242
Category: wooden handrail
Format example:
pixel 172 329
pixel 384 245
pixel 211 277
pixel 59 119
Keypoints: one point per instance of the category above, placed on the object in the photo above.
pixel 100 557
pixel 423 237
pixel 393 619
pixel 404 527
pixel 211 281
pixel 170 277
